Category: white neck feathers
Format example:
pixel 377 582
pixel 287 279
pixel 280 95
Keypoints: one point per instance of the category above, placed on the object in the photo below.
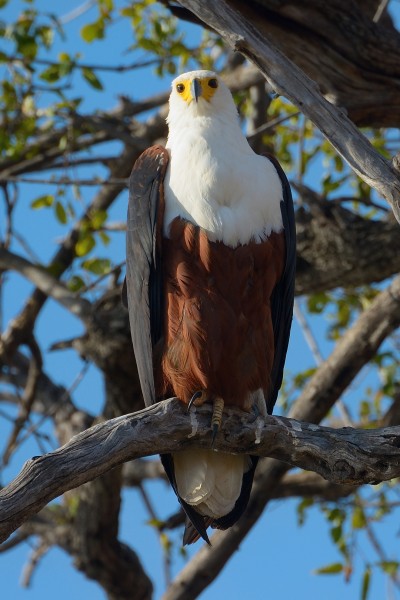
pixel 216 181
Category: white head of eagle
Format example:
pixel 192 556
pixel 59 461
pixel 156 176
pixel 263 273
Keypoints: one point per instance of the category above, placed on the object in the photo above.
pixel 214 179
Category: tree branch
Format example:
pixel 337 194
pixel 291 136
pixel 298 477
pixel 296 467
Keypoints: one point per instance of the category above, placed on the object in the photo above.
pixel 338 248
pixel 47 284
pixel 345 456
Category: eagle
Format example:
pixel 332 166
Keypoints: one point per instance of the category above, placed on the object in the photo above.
pixel 210 263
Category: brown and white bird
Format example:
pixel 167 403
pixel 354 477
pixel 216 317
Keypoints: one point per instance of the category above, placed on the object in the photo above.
pixel 209 284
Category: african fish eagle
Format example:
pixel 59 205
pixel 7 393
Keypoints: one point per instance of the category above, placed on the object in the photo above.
pixel 209 285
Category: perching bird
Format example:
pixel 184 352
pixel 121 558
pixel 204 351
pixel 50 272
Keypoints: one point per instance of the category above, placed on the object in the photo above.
pixel 209 284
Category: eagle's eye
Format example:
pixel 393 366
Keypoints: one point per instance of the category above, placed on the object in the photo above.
pixel 213 83
pixel 180 88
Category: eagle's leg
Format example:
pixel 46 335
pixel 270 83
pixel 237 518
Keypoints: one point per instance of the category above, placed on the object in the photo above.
pixel 197 399
pixel 216 418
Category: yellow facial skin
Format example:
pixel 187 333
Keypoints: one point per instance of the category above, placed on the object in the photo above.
pixel 204 86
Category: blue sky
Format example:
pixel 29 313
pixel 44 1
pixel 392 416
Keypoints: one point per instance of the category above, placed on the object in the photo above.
pixel 277 558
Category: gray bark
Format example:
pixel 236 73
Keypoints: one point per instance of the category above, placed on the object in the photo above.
pixel 345 456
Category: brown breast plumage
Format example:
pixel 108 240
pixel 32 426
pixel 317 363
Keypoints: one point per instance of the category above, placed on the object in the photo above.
pixel 218 334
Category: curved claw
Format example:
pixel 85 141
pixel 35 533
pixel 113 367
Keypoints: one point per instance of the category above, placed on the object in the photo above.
pixel 216 418
pixel 255 413
pixel 195 397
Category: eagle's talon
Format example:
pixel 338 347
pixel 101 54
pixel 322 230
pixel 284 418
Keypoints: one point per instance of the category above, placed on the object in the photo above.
pixel 196 396
pixel 255 413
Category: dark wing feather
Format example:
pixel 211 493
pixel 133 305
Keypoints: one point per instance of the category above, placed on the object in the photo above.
pixel 283 294
pixel 142 289
pixel 143 286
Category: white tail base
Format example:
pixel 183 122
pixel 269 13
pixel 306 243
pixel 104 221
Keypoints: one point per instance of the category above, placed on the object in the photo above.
pixel 211 481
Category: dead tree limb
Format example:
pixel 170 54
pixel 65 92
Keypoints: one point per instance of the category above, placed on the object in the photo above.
pixel 346 456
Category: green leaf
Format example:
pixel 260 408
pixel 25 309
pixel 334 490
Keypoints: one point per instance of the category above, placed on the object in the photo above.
pixel 98 266
pixel 157 523
pixel 336 515
pixel 336 533
pixel 63 142
pixel 389 566
pixel 106 5
pixel 70 210
pixel 51 74
pixel 92 31
pixel 365 583
pixel 332 569
pixel 171 68
pixel 365 409
pixel 75 283
pixel 27 46
pixel 104 238
pixel 301 509
pixel 165 543
pixel 301 378
pixel 97 219
pixel 85 244
pixel 76 190
pixel 130 11
pixel 73 505
pixel 92 78
pixel 64 57
pixel 43 201
pixel 317 302
pixel 46 34
pixel 149 45
pixel 60 213
pixel 359 520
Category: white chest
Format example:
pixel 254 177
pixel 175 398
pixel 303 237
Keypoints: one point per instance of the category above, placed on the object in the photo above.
pixel 221 185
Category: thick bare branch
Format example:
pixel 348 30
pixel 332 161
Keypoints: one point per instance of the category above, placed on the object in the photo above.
pixel 338 248
pixel 307 484
pixel 341 455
